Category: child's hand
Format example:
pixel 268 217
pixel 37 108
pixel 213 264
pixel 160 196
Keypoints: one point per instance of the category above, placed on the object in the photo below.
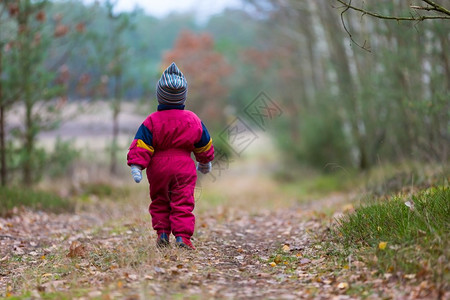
pixel 136 172
pixel 204 168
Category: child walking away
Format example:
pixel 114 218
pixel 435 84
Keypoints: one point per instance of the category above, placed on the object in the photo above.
pixel 163 145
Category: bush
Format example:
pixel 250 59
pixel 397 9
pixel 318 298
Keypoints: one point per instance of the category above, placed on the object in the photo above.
pixel 62 158
pixel 323 142
pixel 320 142
pixel 43 163
pixel 17 157
pixel 38 200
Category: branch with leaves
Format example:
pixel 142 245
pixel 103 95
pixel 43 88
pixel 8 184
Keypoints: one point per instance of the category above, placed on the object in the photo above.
pixel 438 10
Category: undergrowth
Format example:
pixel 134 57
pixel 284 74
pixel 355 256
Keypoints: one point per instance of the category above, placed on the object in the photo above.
pixel 38 200
pixel 408 234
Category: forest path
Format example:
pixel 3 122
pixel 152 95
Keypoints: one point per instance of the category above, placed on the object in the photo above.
pixel 256 238
pixel 270 254
pixel 239 255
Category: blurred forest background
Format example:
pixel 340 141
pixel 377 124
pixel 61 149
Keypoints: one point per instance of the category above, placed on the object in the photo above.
pixel 331 126
pixel 345 105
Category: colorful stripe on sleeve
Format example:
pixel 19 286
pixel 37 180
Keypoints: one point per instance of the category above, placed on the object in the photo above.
pixel 144 138
pixel 205 142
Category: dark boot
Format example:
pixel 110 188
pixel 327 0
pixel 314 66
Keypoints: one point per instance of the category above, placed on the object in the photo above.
pixel 183 242
pixel 163 240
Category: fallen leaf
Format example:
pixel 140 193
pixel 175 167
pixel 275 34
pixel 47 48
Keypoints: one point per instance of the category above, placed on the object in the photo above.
pixel 382 245
pixel 278 259
pixel 76 249
pixel 41 288
pixel 348 208
pixel 343 286
pixel 273 264
pixel 305 261
pixel 286 249
pixel 132 276
pixel 94 294
pixel 410 204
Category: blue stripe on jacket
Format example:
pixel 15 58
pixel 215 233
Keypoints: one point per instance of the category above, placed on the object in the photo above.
pixel 204 140
pixel 145 135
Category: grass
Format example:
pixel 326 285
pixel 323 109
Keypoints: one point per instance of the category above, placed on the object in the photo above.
pixel 412 239
pixel 104 267
pixel 392 220
pixel 311 185
pixel 104 190
pixel 39 200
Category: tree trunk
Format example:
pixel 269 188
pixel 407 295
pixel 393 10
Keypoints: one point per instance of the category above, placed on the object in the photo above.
pixel 345 80
pixel 2 131
pixel 115 133
pixel 29 142
pixel 29 134
pixel 444 56
pixel 115 120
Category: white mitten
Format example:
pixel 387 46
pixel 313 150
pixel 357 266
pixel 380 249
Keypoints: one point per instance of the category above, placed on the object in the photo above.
pixel 204 168
pixel 136 172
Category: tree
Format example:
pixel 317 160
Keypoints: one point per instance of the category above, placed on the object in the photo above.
pixel 8 7
pixel 110 59
pixel 30 80
pixel 120 58
pixel 206 71
pixel 34 81
pixel 357 106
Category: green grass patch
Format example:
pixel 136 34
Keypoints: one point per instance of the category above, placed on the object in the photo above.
pixel 104 190
pixel 313 186
pixel 414 232
pixel 38 200
pixel 426 218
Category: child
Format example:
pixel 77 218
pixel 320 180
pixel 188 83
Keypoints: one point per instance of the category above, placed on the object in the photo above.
pixel 163 145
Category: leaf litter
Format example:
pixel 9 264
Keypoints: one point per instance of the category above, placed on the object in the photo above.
pixel 270 254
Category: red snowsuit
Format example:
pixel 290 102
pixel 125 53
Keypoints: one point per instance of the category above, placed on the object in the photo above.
pixel 163 145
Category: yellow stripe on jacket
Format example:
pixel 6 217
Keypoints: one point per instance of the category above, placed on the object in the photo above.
pixel 204 148
pixel 141 144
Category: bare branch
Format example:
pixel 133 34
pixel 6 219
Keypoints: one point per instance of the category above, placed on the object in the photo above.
pixel 433 7
pixel 437 7
pixel 348 32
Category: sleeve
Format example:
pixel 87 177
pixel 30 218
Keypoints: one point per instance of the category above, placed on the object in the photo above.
pixel 204 149
pixel 141 149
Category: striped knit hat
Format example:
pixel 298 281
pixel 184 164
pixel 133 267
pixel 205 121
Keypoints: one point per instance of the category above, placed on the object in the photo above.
pixel 172 87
